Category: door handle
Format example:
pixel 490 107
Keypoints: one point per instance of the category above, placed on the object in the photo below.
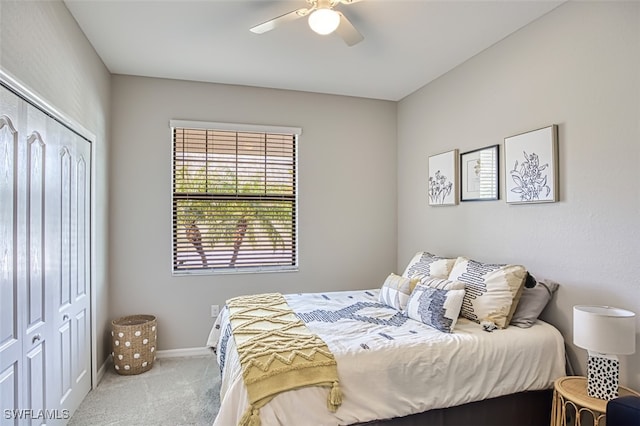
pixel 35 338
pixel 65 317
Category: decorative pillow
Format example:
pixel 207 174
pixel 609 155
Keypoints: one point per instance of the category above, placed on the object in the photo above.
pixel 532 303
pixel 396 290
pixel 436 307
pixel 441 283
pixel 428 265
pixel 492 290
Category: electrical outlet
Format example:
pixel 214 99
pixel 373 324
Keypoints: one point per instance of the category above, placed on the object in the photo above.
pixel 215 310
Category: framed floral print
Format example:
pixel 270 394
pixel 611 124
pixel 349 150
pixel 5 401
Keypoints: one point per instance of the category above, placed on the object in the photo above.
pixel 531 166
pixel 443 182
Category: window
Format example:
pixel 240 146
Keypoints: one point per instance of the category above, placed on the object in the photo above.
pixel 234 197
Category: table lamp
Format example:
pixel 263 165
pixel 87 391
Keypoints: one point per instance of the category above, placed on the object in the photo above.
pixel 604 332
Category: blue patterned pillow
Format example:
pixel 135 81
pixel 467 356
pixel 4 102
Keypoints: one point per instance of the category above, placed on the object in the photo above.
pixel 436 307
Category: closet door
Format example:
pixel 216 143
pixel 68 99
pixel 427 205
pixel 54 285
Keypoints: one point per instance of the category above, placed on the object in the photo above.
pixel 45 341
pixel 10 297
pixel 68 231
pixel 37 332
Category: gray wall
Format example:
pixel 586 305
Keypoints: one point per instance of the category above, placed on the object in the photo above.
pixel 578 67
pixel 42 46
pixel 347 193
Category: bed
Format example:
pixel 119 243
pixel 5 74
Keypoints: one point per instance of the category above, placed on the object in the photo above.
pixel 392 366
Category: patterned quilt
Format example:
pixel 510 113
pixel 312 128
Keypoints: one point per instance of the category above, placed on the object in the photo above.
pixel 390 365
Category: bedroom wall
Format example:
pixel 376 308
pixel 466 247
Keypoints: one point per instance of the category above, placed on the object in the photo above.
pixel 43 48
pixel 577 67
pixel 347 192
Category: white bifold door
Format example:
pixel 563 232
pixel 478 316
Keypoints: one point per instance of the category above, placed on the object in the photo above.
pixel 45 330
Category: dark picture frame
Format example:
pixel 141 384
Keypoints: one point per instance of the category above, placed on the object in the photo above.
pixel 479 171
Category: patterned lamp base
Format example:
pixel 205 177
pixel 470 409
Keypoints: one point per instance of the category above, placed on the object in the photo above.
pixel 603 376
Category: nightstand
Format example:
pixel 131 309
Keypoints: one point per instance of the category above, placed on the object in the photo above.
pixel 572 405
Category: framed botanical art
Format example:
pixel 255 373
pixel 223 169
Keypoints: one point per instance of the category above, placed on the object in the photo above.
pixel 443 182
pixel 479 174
pixel 531 166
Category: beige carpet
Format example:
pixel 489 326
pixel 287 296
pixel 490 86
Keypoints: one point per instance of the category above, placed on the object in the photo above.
pixel 176 391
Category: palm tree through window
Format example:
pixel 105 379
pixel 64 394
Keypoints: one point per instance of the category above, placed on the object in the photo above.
pixel 234 199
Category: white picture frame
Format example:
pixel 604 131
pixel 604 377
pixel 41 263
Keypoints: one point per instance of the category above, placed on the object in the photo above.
pixel 531 166
pixel 442 186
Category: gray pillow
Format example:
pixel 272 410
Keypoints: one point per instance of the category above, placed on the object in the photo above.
pixel 532 303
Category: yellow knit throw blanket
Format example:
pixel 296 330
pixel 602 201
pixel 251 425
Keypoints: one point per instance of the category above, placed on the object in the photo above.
pixel 278 352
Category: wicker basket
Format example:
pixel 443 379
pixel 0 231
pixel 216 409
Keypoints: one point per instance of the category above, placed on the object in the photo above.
pixel 133 339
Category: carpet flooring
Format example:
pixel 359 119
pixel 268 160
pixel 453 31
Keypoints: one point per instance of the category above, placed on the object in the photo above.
pixel 175 392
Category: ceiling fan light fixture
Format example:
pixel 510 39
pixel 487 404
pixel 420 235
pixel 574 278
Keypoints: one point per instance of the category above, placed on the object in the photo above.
pixel 324 21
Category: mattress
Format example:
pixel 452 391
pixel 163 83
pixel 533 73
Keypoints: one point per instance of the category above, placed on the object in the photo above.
pixel 390 365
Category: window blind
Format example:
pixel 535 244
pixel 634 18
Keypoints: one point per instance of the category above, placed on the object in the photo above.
pixel 234 199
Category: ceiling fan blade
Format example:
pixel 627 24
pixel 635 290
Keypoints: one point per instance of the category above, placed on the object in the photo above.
pixel 348 32
pixel 276 22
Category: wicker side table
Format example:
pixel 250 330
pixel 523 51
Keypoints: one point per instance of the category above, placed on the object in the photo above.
pixel 571 392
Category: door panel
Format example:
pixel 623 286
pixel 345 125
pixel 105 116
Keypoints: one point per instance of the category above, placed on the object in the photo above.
pixel 65 228
pixel 82 223
pixel 35 186
pixel 64 342
pixel 36 380
pixel 80 365
pixel 8 224
pixel 10 393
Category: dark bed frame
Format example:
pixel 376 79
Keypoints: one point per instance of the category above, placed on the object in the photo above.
pixel 531 408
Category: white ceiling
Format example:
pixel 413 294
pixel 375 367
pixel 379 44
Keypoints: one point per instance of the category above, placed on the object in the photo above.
pixel 407 43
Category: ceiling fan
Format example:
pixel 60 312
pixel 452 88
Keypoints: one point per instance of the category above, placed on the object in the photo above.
pixel 323 19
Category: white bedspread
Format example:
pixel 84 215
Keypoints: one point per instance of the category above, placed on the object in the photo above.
pixel 390 365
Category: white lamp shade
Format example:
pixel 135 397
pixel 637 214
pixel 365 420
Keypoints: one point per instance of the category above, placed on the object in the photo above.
pixel 324 21
pixel 604 329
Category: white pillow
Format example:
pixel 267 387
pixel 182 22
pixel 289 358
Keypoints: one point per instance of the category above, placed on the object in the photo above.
pixel 436 307
pixel 492 290
pixel 395 291
pixel 425 264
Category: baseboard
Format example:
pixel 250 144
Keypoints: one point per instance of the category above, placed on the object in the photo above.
pixel 101 372
pixel 173 353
